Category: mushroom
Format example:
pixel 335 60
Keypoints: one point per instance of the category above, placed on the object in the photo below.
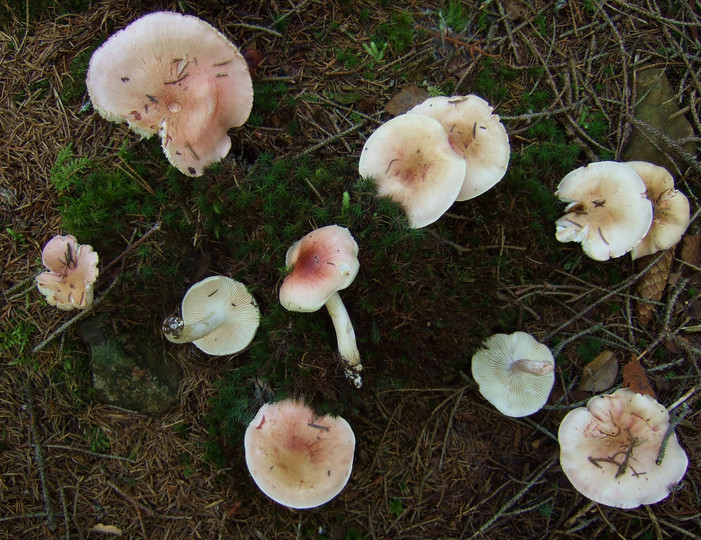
pixel 515 373
pixel 296 458
pixel 608 211
pixel 412 162
pixel 609 450
pixel 475 134
pixel 177 76
pixel 218 315
pixel 322 263
pixel 72 271
pixel 670 209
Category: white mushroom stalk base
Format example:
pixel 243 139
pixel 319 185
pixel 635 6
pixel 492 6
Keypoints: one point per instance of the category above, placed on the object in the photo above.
pixel 176 331
pixel 535 367
pixel 345 335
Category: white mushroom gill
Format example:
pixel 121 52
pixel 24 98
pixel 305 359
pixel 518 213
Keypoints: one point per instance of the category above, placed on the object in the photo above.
pixel 176 331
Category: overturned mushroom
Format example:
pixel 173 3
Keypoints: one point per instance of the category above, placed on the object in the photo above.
pixel 514 373
pixel 412 162
pixel 608 211
pixel 609 450
pixel 72 271
pixel 218 315
pixel 324 262
pixel 476 134
pixel 177 76
pixel 297 458
pixel 670 209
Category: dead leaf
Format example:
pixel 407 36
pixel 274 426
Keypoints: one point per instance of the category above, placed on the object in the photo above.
pixel 107 529
pixel 599 374
pixel 407 98
pixel 635 378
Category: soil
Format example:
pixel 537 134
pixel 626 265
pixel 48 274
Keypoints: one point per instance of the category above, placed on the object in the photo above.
pixel 433 458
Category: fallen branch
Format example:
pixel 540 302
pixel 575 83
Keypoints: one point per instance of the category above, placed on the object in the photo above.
pixel 65 326
pixel 89 452
pixel 131 247
pixel 41 464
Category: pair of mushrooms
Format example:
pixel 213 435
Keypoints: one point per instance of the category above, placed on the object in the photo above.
pixel 610 450
pixel 218 314
pixel 615 208
pixel 177 76
pixel 444 150
pixel 221 317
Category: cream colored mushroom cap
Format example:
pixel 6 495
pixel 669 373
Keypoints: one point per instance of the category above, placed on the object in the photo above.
pixel 595 440
pixel 412 162
pixel 174 75
pixel 513 393
pixel 474 133
pixel 296 458
pixel 221 293
pixel 670 209
pixel 608 211
pixel 323 261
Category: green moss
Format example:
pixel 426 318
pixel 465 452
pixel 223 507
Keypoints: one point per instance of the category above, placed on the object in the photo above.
pixel 398 33
pixel 74 83
pixel 456 16
pixel 492 81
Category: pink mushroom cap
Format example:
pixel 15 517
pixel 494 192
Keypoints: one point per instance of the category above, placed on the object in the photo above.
pixel 72 271
pixel 323 261
pixel 177 76
pixel 608 450
pixel 296 458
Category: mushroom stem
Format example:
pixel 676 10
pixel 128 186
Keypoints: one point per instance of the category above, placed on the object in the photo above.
pixel 535 367
pixel 345 336
pixel 176 331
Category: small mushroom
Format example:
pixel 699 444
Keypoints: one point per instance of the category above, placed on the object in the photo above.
pixel 177 76
pixel 324 262
pixel 670 209
pixel 515 373
pixel 72 272
pixel 608 211
pixel 218 315
pixel 475 134
pixel 412 162
pixel 296 458
pixel 609 450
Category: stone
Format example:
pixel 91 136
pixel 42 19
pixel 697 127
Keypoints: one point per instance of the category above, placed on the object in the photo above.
pixel 656 104
pixel 130 371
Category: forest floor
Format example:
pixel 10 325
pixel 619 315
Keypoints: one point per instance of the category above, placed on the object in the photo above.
pixel 433 458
